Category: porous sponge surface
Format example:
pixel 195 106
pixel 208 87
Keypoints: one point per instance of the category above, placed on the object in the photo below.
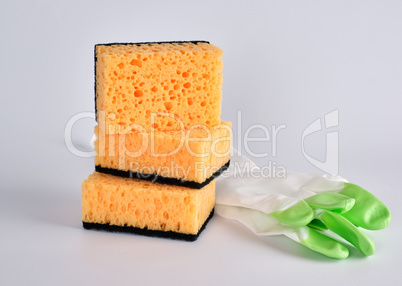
pixel 192 155
pixel 108 199
pixel 180 79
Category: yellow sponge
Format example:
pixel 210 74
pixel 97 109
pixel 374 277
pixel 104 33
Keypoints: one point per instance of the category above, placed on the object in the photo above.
pixel 179 83
pixel 124 204
pixel 190 158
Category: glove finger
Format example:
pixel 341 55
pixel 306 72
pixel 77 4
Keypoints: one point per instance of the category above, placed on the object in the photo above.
pixel 323 244
pixel 341 226
pixel 317 224
pixel 331 201
pixel 368 212
pixel 265 225
pixel 300 214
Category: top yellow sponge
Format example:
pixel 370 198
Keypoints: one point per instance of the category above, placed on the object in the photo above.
pixel 171 85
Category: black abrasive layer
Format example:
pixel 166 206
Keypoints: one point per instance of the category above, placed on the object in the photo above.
pixel 148 232
pixel 138 44
pixel 160 179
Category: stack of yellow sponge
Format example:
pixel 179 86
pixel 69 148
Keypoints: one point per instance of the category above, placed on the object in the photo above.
pixel 160 140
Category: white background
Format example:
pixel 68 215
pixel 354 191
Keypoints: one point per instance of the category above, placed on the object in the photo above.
pixel 285 62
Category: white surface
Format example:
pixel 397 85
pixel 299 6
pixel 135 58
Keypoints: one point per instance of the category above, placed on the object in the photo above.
pixel 286 62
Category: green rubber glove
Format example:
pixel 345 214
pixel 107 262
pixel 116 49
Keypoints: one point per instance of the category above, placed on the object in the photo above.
pixel 304 208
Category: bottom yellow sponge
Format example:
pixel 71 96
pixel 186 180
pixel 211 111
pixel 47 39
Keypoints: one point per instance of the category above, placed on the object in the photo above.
pixel 130 205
